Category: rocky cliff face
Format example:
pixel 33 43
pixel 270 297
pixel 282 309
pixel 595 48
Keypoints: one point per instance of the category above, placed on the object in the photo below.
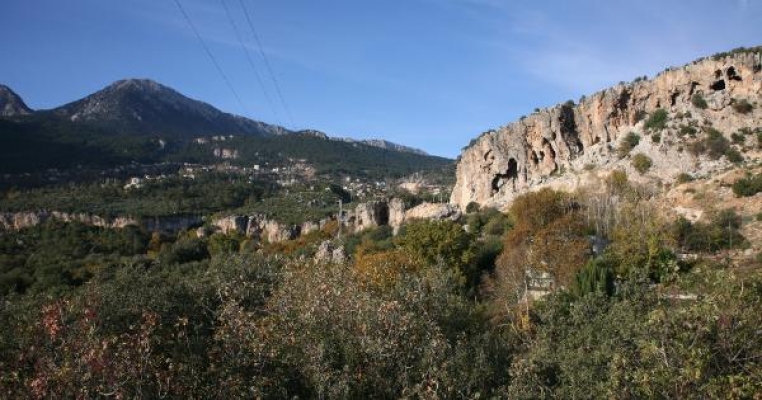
pixel 21 220
pixel 364 216
pixel 11 104
pixel 554 145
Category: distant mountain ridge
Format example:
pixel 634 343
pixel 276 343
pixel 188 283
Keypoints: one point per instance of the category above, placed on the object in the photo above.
pixel 146 107
pixel 141 121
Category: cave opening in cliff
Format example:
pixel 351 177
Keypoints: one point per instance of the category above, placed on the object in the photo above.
pixel 546 145
pixel 757 68
pixel 718 74
pixel 381 210
pixel 510 175
pixel 718 85
pixel 534 158
pixel 673 98
pixel 733 75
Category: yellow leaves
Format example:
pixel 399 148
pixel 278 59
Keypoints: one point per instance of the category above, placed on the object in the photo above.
pixel 383 269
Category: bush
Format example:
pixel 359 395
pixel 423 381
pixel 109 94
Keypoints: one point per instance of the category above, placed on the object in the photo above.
pixel 683 178
pixel 738 138
pixel 748 186
pixel 472 207
pixel 657 120
pixel 720 233
pixel 742 106
pixel 628 143
pixel 698 101
pixel 734 156
pixel 687 130
pixel 716 143
pixel 656 137
pixel 642 163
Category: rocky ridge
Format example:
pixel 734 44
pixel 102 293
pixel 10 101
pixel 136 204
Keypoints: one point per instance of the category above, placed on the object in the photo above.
pixel 561 145
pixel 11 104
pixel 147 107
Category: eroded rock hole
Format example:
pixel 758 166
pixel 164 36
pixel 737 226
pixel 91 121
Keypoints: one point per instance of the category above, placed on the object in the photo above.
pixel 534 158
pixel 718 85
pixel 510 175
pixel 546 145
pixel 673 98
pixel 757 68
pixel 732 75
pixel 718 74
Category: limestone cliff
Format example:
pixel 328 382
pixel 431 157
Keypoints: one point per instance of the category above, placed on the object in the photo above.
pixel 552 146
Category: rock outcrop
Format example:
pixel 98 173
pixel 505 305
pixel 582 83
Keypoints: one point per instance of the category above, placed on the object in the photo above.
pixel 364 216
pixel 13 221
pixel 328 253
pixel 436 211
pixel 11 104
pixel 551 143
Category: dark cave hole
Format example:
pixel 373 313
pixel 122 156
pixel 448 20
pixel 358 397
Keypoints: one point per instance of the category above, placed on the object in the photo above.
pixel 732 75
pixel 513 169
pixel 534 158
pixel 673 98
pixel 757 68
pixel 718 74
pixel 718 85
pixel 546 145
pixel 510 174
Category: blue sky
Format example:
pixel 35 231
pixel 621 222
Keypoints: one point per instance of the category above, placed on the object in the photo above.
pixel 431 74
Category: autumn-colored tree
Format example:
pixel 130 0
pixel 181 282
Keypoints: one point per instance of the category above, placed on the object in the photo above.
pixel 383 269
pixel 549 236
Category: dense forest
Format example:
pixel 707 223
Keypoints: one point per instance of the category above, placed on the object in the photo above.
pixel 628 304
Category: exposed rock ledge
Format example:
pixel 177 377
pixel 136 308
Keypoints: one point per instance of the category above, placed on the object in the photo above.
pixel 538 149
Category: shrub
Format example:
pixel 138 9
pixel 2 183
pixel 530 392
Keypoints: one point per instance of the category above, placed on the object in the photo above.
pixel 617 181
pixel 628 143
pixel 720 233
pixel 734 156
pixel 697 148
pixel 698 101
pixel 683 178
pixel 641 162
pixel 742 106
pixel 687 130
pixel 716 143
pixel 738 138
pixel 657 120
pixel 656 137
pixel 748 186
pixel 472 207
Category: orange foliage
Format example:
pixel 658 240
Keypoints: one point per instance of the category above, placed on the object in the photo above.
pixel 383 269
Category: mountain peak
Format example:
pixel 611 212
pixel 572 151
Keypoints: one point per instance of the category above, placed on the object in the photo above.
pixel 11 104
pixel 143 106
pixel 139 84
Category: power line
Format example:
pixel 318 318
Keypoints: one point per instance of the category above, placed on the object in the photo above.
pixel 211 56
pixel 249 59
pixel 267 63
